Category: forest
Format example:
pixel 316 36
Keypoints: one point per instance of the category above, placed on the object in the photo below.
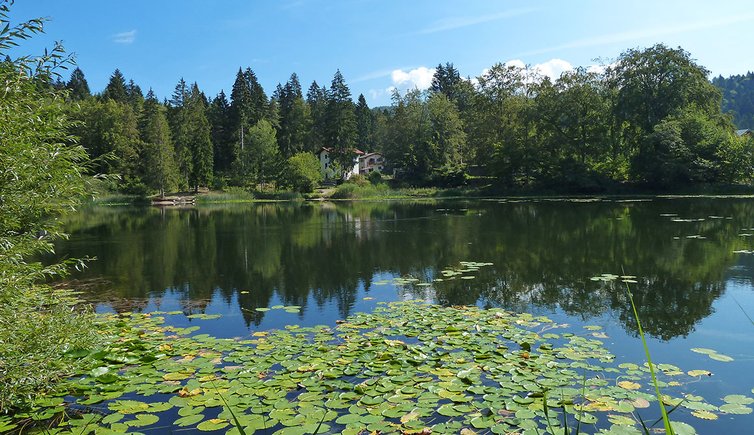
pixel 738 98
pixel 651 119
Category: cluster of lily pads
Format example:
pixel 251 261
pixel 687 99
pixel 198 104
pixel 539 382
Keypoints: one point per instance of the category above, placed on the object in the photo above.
pixel 465 271
pixel 406 368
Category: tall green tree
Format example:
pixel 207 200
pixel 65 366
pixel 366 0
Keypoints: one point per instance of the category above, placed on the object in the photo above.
pixel 316 99
pixel 116 88
pixel 260 161
pixel 340 120
pixel 178 119
pixel 109 132
pixel 218 114
pixel 200 142
pixel 294 117
pixel 158 157
pixel 364 124
pixel 77 86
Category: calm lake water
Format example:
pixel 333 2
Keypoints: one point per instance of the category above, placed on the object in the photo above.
pixel 337 259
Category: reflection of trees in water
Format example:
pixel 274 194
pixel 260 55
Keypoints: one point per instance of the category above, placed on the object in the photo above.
pixel 544 254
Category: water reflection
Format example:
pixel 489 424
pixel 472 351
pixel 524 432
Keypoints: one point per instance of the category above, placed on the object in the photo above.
pixel 321 254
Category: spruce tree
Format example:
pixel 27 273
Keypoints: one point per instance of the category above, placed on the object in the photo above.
pixel 78 88
pixel 200 142
pixel 116 88
pixel 293 117
pixel 340 120
pixel 364 124
pixel 316 99
pixel 178 119
pixel 218 115
pixel 158 160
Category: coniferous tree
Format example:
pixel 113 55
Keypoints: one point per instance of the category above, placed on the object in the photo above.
pixel 316 99
pixel 134 96
pixel 446 80
pixel 200 142
pixel 116 88
pixel 340 121
pixel 159 169
pixel 218 115
pixel 179 127
pixel 294 117
pixel 77 86
pixel 364 124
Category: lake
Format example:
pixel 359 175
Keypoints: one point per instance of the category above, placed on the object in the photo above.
pixel 691 258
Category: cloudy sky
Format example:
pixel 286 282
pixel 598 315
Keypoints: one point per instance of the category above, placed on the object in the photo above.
pixel 377 44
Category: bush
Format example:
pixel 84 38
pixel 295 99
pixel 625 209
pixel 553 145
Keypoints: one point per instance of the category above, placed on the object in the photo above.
pixel 375 177
pixel 303 172
pixel 38 324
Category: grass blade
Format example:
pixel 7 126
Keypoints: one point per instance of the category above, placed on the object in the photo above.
pixel 665 417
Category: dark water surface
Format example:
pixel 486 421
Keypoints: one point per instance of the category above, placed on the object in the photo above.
pixel 336 259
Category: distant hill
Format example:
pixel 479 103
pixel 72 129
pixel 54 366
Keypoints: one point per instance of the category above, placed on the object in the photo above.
pixel 738 98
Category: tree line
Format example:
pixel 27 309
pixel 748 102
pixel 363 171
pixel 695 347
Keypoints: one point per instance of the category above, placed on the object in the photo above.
pixel 651 118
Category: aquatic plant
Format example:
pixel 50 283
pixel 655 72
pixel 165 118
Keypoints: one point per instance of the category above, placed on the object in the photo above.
pixel 405 368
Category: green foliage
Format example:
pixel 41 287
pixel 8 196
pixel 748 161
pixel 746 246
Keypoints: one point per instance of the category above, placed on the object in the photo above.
pixel 160 171
pixel 303 172
pixel 738 98
pixel 405 367
pixel 41 177
pixel 77 86
pixel 340 120
pixel 259 162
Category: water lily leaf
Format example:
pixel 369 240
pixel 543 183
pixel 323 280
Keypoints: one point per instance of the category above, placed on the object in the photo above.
pixel 738 398
pixel 735 408
pixel 680 428
pixel 448 411
pixel 703 350
pixel 705 415
pixel 696 373
pixel 212 425
pixel 628 385
pixel 720 357
pixel 143 420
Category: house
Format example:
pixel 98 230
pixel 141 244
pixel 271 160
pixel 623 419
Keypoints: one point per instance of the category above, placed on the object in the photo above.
pixel 371 162
pixel 332 172
pixel 744 132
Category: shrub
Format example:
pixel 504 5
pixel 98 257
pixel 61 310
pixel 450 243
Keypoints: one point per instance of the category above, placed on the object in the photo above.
pixel 303 172
pixel 40 179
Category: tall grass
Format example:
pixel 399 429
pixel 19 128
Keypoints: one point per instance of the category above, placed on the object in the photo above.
pixel 665 417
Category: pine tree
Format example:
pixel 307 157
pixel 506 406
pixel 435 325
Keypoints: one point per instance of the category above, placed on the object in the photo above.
pixel 158 159
pixel 77 86
pixel 116 88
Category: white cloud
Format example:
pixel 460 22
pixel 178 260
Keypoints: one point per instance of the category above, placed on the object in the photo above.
pixel 553 68
pixel 420 78
pixel 125 37
pixel 459 22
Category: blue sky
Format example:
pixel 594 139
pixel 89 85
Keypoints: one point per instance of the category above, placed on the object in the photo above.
pixel 377 44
